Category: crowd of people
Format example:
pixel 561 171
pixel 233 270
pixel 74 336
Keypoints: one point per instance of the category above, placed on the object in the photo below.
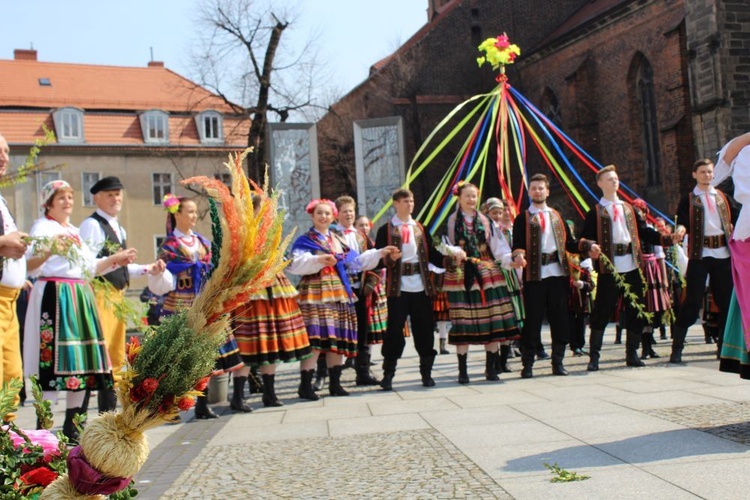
pixel 491 281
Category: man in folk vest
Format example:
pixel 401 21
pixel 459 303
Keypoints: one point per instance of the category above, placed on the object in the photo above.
pixel 409 288
pixel 613 229
pixel 12 279
pixel 100 228
pixel 706 216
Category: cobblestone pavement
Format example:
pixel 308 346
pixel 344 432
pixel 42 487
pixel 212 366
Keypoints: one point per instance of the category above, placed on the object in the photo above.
pixel 414 465
pixel 729 420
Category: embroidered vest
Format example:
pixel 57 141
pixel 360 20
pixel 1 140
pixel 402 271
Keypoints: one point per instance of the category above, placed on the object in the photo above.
pixel 697 222
pixel 393 268
pixel 533 270
pixel 119 278
pixel 604 234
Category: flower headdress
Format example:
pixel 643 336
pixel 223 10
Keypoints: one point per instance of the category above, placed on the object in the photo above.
pixel 457 187
pixel 310 208
pixel 499 52
pixel 49 190
pixel 171 203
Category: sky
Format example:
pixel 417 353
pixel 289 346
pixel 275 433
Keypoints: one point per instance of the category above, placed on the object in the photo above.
pixel 351 35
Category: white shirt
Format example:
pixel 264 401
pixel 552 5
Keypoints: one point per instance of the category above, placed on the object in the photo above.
pixel 409 255
pixel 57 266
pixel 92 233
pixel 14 270
pixel 549 244
pixel 304 262
pixel 365 261
pixel 740 172
pixel 711 222
pixel 620 234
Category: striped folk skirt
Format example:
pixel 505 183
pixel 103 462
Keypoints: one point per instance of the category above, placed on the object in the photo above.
pixel 377 315
pixel 657 293
pixel 63 342
pixel 484 313
pixel 329 314
pixel 270 328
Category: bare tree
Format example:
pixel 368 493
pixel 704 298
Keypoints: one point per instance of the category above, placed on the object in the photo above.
pixel 242 59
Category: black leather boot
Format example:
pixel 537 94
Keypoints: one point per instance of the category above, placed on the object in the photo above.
pixel 334 386
pixel 389 371
pixel 678 343
pixel 558 354
pixel 425 370
pixel 662 332
pixel 618 334
pixel 463 375
pixel 647 346
pixel 321 372
pixel 596 339
pixel 364 376
pixel 490 371
pixel 256 386
pixel 527 360
pixel 237 403
pixel 269 391
pixel 69 429
pixel 632 341
pixel 502 359
pixel 305 390
pixel 443 348
pixel 202 411
pixel 106 400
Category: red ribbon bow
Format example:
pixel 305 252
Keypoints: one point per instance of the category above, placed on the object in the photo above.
pixel 405 233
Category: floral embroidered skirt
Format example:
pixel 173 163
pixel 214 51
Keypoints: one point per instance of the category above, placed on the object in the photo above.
pixel 485 312
pixel 270 328
pixel 329 313
pixel 63 341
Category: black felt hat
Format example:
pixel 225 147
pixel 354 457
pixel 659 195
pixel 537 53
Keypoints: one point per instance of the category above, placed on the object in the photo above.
pixel 106 184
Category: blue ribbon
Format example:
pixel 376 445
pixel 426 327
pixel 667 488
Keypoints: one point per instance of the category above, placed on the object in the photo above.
pixel 308 244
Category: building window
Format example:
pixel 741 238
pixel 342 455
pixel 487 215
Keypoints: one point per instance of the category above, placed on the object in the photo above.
pixel 226 178
pixel 43 178
pixel 162 184
pixel 649 124
pixel 155 127
pixel 210 127
pixel 158 242
pixel 88 179
pixel 68 125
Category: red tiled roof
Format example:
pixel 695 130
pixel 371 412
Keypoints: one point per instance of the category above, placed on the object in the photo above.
pixel 587 13
pixel 102 87
pixel 22 127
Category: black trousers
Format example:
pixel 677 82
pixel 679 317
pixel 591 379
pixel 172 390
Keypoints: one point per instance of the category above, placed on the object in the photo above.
pixel 418 306
pixel 607 295
pixel 360 307
pixel 577 324
pixel 720 272
pixel 549 296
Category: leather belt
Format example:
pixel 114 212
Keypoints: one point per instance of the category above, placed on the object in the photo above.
pixel 549 258
pixel 622 249
pixel 409 269
pixel 717 241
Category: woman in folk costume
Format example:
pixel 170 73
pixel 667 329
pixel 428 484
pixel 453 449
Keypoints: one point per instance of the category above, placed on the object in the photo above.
pixel 734 161
pixel 499 213
pixel 374 290
pixel 63 342
pixel 188 258
pixel 480 307
pixel 658 300
pixel 269 330
pixel 325 297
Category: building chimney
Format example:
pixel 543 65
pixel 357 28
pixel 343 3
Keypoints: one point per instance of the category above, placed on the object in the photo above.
pixel 24 55
pixel 156 64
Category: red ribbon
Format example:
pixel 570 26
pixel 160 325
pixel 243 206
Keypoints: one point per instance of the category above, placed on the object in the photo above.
pixel 88 481
pixel 405 234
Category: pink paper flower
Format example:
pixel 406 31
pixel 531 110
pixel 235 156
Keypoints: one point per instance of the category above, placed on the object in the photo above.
pixel 41 437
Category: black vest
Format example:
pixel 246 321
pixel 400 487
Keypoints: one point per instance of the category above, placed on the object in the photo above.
pixel 119 278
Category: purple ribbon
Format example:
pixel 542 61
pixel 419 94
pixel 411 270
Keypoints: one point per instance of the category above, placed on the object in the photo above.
pixel 88 481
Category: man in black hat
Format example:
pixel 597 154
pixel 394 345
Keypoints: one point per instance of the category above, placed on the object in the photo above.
pixel 102 226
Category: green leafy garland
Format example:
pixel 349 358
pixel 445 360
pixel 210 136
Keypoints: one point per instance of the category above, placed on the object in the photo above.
pixel 29 165
pixel 216 236
pixel 627 293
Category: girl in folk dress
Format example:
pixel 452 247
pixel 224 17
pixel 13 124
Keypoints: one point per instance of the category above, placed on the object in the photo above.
pixel 63 343
pixel 188 258
pixel 270 330
pixel 325 295
pixel 480 307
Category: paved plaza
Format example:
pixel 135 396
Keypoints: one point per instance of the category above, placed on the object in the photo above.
pixel 662 431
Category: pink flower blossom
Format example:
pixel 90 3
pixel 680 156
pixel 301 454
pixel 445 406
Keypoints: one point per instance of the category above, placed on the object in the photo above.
pixel 41 437
pixel 502 42
pixel 72 383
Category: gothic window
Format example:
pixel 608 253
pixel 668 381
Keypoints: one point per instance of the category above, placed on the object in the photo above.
pixel 649 125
